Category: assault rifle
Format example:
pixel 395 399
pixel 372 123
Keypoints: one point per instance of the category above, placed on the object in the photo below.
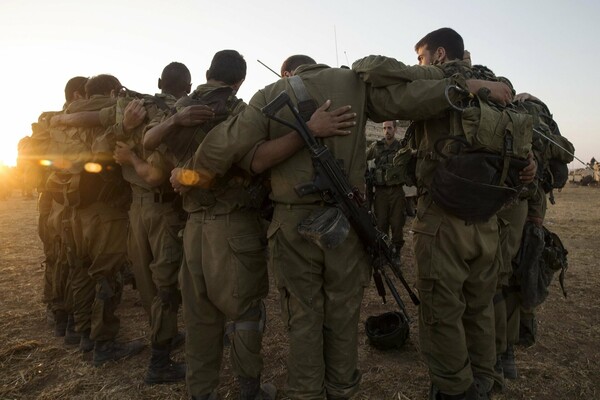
pixel 335 189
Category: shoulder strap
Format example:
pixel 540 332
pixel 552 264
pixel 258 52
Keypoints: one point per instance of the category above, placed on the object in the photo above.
pixel 160 102
pixel 306 105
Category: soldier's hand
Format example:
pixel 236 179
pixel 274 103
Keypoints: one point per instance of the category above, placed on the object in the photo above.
pixel 527 174
pixel 56 120
pixel 122 153
pixel 176 180
pixel 521 97
pixel 194 115
pixel 499 92
pixel 325 123
pixel 134 114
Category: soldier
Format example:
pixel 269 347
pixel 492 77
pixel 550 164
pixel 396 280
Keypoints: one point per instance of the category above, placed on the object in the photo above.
pixel 320 290
pixel 95 199
pixel 56 269
pixel 521 320
pixel 389 201
pixel 457 262
pixel 155 220
pixel 219 285
pixel 226 285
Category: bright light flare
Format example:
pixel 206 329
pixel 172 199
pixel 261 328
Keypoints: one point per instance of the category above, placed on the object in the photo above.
pixel 92 168
pixel 190 177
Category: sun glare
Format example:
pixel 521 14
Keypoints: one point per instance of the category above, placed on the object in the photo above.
pixel 8 151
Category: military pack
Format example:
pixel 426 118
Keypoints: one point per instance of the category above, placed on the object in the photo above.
pixel 541 256
pixel 552 150
pixel 221 100
pixel 488 144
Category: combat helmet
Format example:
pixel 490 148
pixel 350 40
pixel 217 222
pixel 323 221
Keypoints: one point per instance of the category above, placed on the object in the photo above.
pixel 387 331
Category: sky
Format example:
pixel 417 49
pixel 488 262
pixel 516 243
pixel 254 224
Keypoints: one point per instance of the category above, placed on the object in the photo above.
pixel 546 48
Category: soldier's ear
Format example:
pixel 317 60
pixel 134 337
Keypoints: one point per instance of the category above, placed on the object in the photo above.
pixel 440 55
pixel 159 83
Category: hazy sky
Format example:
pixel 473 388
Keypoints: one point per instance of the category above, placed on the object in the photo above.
pixel 547 48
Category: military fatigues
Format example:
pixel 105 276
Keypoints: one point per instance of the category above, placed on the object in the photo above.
pixel 223 277
pixel 96 225
pixel 511 221
pixel 457 273
pixel 55 271
pixel 320 291
pixel 389 201
pixel 153 245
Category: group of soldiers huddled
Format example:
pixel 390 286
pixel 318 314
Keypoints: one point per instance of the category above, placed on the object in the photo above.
pixel 122 174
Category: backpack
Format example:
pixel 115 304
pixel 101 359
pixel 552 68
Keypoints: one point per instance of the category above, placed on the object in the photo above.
pixel 553 151
pixel 223 102
pixel 481 157
pixel 541 255
pixel 153 105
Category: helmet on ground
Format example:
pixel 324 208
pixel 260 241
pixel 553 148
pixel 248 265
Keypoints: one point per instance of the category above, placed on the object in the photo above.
pixel 387 331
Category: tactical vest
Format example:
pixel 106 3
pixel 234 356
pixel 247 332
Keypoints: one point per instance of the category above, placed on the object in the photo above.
pixel 387 173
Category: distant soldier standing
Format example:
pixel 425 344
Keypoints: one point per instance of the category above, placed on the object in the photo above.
pixel 389 201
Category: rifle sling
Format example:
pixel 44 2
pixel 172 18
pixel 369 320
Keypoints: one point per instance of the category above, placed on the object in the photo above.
pixel 306 105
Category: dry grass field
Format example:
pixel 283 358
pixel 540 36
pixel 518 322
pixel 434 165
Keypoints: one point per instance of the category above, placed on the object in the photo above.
pixel 563 364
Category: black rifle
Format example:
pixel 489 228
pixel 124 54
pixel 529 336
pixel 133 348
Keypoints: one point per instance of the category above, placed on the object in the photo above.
pixel 370 187
pixel 335 189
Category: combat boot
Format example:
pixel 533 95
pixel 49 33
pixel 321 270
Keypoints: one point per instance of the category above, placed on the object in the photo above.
pixel 509 366
pixel 109 350
pixel 435 394
pixel 479 390
pixel 50 316
pixel 85 343
pixel 527 332
pixel 72 338
pixel 60 325
pixel 210 396
pixel 162 369
pixel 177 341
pixel 251 389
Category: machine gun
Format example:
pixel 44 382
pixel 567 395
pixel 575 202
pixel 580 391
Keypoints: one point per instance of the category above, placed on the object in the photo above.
pixel 335 189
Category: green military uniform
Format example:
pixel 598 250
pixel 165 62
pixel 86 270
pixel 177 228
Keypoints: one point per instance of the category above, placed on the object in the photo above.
pixel 457 272
pixel 511 221
pixel 153 245
pixel 56 270
pixel 389 201
pixel 320 291
pixel 96 217
pixel 223 276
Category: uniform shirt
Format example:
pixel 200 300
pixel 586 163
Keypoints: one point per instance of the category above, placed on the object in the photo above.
pixel 228 193
pixel 232 140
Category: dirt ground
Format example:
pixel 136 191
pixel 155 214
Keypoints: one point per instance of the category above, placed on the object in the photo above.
pixel 563 364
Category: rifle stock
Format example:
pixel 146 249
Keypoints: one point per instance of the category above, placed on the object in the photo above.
pixel 335 189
